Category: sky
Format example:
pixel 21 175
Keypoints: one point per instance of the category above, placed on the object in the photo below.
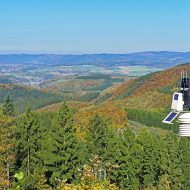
pixel 94 26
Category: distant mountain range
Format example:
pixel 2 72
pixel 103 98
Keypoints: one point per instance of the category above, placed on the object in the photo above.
pixel 34 70
pixel 162 59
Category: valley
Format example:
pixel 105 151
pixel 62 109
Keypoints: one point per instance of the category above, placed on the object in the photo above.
pixel 108 120
pixel 34 70
pixel 94 95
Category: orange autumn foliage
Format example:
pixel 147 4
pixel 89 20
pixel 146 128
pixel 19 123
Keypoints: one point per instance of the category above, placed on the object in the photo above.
pixel 162 79
pixel 115 116
pixel 121 89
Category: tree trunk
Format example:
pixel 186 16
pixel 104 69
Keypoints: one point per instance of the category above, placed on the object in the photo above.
pixel 8 174
pixel 28 158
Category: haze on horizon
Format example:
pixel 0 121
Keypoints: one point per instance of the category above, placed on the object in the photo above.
pixel 100 26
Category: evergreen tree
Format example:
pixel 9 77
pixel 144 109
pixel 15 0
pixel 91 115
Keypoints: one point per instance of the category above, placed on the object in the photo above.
pixel 185 162
pixel 8 106
pixel 63 149
pixel 28 147
pixel 7 144
pixel 170 160
pixel 97 136
pixel 128 160
pixel 149 160
pixel 112 154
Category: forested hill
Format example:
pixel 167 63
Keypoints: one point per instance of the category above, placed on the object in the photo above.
pixel 27 98
pixel 162 59
pixel 114 144
pixel 152 91
pixel 146 100
pixel 143 98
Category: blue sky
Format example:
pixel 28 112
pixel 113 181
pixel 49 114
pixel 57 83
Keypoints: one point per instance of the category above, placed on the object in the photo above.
pixel 94 26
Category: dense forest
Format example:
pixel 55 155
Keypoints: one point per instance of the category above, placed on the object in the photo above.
pixel 47 151
pixel 115 142
pixel 25 97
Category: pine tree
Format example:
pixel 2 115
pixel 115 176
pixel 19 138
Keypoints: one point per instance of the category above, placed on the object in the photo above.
pixel 127 158
pixel 97 136
pixel 8 106
pixel 112 154
pixel 97 145
pixel 63 150
pixel 150 159
pixel 185 162
pixel 28 146
pixel 7 144
pixel 170 160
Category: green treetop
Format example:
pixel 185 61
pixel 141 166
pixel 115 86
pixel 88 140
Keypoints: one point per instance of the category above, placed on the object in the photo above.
pixel 8 106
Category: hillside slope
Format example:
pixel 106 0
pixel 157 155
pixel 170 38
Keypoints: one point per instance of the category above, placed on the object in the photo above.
pixel 24 97
pixel 149 95
pixel 152 91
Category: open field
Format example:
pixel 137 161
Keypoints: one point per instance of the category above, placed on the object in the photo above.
pixel 37 75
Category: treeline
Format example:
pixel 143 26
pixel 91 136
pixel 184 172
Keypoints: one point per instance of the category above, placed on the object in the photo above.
pixel 108 81
pixel 95 77
pixel 24 98
pixel 46 151
pixel 150 118
pixel 87 97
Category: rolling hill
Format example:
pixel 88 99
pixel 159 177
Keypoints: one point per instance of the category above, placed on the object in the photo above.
pixel 153 91
pixel 34 70
pixel 144 100
pixel 149 94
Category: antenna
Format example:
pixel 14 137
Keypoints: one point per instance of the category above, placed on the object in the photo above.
pixel 186 74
